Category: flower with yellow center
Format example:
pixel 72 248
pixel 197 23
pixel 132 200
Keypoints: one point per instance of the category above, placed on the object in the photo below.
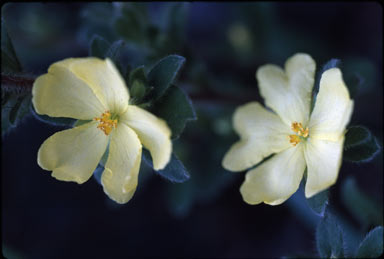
pixel 92 89
pixel 299 140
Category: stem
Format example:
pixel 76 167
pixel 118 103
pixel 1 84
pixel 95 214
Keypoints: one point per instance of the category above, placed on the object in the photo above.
pixel 16 83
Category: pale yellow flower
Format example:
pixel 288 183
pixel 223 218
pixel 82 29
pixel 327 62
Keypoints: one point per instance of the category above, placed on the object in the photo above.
pixel 299 140
pixel 92 89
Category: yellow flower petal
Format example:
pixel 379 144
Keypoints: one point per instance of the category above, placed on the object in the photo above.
pixel 262 133
pixel 275 180
pixel 323 159
pixel 59 93
pixel 288 93
pixel 120 175
pixel 333 107
pixel 153 133
pixel 104 79
pixel 73 154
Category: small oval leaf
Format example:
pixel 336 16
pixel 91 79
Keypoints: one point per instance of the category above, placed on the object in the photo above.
pixel 372 245
pixel 175 108
pixel 163 74
pixel 360 145
pixel 329 237
pixel 174 171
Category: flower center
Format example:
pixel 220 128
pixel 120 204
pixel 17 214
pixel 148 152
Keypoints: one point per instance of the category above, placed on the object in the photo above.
pixel 106 122
pixel 301 133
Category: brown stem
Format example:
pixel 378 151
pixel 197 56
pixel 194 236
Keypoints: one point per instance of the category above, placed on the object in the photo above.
pixel 17 82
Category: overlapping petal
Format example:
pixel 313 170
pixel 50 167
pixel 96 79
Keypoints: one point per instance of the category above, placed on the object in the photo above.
pixel 120 175
pixel 262 133
pixel 73 154
pixel 288 93
pixel 104 79
pixel 275 180
pixel 153 133
pixel 333 107
pixel 323 158
pixel 60 93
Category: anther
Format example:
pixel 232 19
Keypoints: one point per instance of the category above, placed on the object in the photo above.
pixel 105 123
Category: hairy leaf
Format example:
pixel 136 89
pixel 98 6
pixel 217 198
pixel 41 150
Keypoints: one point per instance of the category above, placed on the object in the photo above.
pixel 319 202
pixel 363 208
pixel 360 145
pixel 163 74
pixel 9 61
pixel 372 245
pixel 329 237
pixel 98 47
pixel 174 171
pixel 176 108
pixel 14 108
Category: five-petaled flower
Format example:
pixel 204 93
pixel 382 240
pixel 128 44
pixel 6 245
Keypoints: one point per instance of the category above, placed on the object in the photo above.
pixel 300 140
pixel 92 89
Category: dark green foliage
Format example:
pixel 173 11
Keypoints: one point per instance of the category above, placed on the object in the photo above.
pixel 372 245
pixel 14 108
pixel 98 47
pixel 138 85
pixel 101 48
pixel 176 108
pixel 15 93
pixel 360 145
pixel 319 202
pixel 9 61
pixel 130 25
pixel 163 74
pixel 174 171
pixel 363 208
pixel 329 237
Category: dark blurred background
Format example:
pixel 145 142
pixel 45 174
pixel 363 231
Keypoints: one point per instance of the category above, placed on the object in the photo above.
pixel 224 44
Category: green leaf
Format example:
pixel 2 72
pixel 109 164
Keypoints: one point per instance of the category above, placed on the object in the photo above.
pixel 130 25
pixel 174 171
pixel 138 84
pixel 360 145
pixel 13 110
pixel 16 110
pixel 9 61
pixel 163 74
pixel 329 237
pixel 101 48
pixel 363 208
pixel 137 74
pixel 372 245
pixel 175 108
pixel 319 202
pixel 98 47
pixel 330 64
pixel 137 92
pixel 56 121
pixel 115 49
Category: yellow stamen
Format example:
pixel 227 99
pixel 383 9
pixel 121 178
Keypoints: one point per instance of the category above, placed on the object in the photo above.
pixel 294 139
pixel 106 124
pixel 301 133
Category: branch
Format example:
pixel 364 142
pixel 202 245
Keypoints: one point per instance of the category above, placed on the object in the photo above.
pixel 16 83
